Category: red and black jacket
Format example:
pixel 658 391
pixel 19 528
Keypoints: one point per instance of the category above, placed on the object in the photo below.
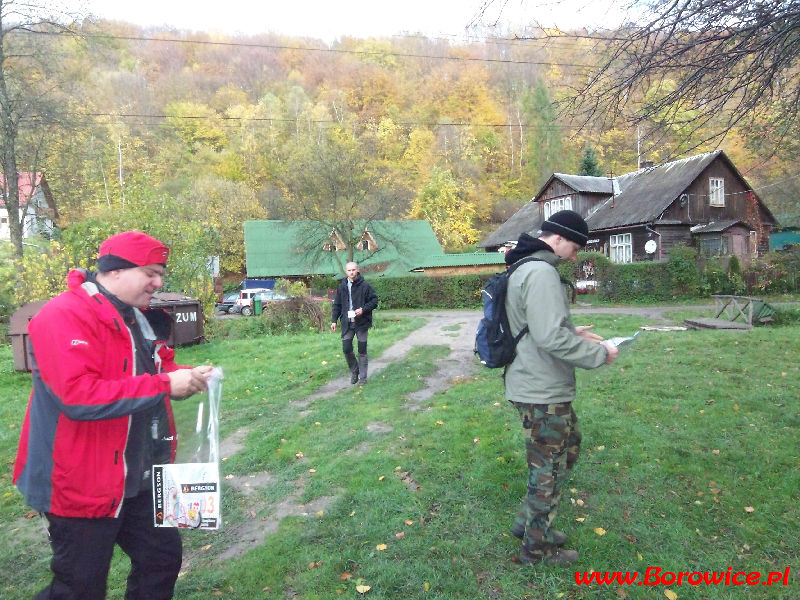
pixel 71 456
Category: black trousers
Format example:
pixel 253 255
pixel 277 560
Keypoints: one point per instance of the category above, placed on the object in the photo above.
pixel 82 551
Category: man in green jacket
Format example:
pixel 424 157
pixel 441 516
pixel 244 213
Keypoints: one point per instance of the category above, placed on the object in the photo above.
pixel 540 382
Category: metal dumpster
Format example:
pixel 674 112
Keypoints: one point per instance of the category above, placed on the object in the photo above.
pixel 187 317
pixel 18 332
pixel 186 314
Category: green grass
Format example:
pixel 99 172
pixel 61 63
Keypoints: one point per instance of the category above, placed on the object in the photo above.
pixel 682 436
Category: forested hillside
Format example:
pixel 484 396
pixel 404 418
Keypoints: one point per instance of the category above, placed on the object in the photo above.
pixel 234 128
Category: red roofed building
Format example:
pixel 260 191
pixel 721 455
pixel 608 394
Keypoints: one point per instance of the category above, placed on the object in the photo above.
pixel 37 209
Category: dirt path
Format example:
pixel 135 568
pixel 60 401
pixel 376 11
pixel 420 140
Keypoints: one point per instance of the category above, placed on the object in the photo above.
pixel 453 328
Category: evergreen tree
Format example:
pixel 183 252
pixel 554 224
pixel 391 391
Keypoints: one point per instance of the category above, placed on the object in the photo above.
pixel 589 164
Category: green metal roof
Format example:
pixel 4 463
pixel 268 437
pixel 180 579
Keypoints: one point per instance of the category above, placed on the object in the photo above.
pixel 275 249
pixel 462 260
pixel 780 239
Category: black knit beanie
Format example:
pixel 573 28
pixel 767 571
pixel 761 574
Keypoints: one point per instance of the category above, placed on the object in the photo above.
pixel 568 224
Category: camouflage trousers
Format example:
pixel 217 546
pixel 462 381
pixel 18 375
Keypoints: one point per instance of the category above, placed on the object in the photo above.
pixel 552 445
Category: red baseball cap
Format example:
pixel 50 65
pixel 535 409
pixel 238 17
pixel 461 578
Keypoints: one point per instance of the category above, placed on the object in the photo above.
pixel 134 247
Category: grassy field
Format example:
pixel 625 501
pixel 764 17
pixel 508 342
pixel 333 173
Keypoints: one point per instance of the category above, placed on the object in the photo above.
pixel 690 464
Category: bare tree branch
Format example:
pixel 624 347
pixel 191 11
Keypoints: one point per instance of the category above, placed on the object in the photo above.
pixel 718 64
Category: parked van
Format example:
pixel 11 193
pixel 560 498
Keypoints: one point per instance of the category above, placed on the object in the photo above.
pixel 244 303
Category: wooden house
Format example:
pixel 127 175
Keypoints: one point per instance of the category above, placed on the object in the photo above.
pixel 702 201
pixel 37 209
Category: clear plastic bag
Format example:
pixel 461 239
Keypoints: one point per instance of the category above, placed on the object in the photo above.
pixel 186 494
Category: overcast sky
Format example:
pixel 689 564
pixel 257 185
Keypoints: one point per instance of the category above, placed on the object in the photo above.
pixel 331 19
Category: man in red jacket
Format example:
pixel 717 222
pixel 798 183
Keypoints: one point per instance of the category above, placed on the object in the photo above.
pixel 98 419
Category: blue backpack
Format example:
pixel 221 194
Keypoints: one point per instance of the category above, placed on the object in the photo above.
pixel 495 346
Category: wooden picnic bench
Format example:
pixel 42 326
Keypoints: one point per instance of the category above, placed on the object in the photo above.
pixel 729 309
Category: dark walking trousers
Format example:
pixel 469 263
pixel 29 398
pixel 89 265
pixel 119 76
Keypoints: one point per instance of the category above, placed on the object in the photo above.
pixel 82 551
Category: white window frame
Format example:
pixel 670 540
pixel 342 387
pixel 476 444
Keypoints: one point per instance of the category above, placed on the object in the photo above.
pixel 716 191
pixel 557 204
pixel 621 248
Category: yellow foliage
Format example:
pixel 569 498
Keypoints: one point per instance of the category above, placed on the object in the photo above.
pixel 41 275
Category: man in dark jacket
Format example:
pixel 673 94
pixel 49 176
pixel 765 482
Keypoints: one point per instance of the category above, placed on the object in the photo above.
pixel 98 419
pixel 354 302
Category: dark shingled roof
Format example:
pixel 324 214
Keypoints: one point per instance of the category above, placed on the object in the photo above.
pixel 646 193
pixel 525 220
pixel 585 183
pixel 716 226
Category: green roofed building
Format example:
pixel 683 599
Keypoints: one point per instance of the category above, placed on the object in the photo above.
pixel 299 248
pixel 453 264
pixel 788 233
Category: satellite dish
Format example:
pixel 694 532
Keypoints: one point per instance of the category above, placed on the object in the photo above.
pixel 650 246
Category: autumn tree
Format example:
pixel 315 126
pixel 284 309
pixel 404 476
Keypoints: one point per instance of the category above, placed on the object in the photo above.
pixel 30 74
pixel 223 206
pixel 543 151
pixel 441 203
pixel 334 186
pixel 42 274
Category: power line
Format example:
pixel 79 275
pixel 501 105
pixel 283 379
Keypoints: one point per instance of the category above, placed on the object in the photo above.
pixel 375 53
pixel 146 118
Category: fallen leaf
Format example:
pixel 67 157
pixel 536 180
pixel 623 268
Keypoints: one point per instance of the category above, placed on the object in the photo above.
pixel 639 556
pixel 671 595
pixel 601 448
pixel 312 470
pixel 580 519
pixel 320 513
pixel 324 362
pixel 408 522
pixel 298 455
pixel 380 547
pixel 400 534
pixel 382 477
pixel 599 531
pixel 579 502
pixel 314 565
pixel 749 509
pixel 363 589
pixel 427 586
pixel 439 423
pixel 345 576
